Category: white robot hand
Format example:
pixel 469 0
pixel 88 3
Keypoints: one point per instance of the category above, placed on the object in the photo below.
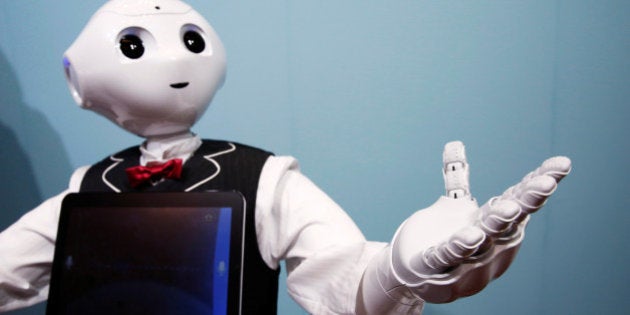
pixel 454 248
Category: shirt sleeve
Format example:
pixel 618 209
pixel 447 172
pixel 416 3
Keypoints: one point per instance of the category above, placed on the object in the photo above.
pixel 326 254
pixel 27 249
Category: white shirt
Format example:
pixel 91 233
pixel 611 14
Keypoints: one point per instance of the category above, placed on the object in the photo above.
pixel 326 254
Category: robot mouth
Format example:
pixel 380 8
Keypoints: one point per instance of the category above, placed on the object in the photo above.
pixel 179 85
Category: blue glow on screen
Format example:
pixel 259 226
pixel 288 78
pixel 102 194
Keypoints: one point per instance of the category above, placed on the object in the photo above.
pixel 222 262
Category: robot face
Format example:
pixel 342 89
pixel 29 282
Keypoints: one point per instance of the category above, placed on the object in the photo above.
pixel 150 66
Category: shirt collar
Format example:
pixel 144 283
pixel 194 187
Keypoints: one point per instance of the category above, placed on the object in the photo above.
pixel 162 149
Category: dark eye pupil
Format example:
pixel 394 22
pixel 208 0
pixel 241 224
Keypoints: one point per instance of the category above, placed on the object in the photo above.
pixel 131 46
pixel 194 42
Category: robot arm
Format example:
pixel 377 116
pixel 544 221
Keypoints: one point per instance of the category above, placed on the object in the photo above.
pixel 454 248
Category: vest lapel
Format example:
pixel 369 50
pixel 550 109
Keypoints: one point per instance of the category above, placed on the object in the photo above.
pixel 206 161
pixel 114 175
pixel 199 169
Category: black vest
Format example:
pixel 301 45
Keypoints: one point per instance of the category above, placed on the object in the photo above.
pixel 216 165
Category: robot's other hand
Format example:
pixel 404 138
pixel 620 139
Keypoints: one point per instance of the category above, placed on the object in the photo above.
pixel 455 248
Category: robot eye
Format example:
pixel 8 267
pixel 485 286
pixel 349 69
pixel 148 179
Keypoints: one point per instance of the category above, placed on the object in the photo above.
pixel 194 42
pixel 131 46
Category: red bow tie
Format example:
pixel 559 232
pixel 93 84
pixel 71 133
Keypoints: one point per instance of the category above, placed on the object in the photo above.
pixel 153 173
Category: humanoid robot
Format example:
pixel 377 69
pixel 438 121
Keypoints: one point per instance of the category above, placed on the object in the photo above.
pixel 152 67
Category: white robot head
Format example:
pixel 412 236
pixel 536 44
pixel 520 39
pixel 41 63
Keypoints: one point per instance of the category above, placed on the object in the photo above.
pixel 150 66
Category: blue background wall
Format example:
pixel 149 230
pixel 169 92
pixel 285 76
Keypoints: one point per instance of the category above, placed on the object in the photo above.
pixel 365 94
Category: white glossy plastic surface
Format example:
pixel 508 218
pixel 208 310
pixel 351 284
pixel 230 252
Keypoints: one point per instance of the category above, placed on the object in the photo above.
pixel 162 92
pixel 454 248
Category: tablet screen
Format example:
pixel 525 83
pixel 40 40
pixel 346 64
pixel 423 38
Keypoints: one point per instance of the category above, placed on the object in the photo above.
pixel 165 258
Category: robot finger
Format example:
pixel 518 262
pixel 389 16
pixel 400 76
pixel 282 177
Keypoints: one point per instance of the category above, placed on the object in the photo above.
pixel 557 167
pixel 531 194
pixel 455 170
pixel 451 253
pixel 497 216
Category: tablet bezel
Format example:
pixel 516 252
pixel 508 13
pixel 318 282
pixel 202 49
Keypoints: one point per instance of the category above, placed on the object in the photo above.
pixel 208 199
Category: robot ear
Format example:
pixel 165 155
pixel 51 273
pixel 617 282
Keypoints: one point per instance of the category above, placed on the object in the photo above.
pixel 73 82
